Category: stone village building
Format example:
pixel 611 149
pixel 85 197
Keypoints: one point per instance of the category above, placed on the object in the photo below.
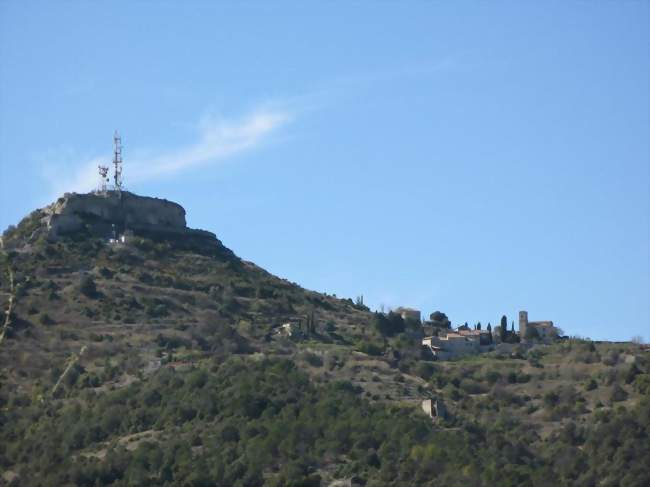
pixel 466 341
pixel 453 344
pixel 545 329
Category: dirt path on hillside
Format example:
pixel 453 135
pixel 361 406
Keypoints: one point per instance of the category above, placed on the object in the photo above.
pixel 73 360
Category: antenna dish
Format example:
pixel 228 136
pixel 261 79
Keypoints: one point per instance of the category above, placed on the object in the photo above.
pixel 103 178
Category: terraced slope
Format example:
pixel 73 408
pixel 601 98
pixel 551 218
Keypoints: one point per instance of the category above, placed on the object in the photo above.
pixel 163 361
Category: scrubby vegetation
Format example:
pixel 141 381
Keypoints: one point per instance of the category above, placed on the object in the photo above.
pixel 254 422
pixel 155 363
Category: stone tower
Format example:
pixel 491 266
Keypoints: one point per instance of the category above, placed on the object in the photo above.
pixel 523 322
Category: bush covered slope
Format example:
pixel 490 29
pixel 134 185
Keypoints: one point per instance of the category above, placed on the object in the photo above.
pixel 158 363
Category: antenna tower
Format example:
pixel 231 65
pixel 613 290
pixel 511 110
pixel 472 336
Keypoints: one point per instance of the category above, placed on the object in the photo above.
pixel 117 160
pixel 103 177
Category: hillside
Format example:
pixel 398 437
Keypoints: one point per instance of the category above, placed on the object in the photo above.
pixel 163 360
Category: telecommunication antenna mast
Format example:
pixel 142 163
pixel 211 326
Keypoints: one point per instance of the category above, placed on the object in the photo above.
pixel 117 160
pixel 103 177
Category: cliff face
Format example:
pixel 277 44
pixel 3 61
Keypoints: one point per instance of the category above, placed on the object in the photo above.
pixel 103 214
pixel 98 212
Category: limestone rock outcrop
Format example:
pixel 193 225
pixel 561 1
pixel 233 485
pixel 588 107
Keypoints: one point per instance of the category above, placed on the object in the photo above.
pixel 105 214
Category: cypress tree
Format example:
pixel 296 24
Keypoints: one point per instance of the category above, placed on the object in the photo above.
pixel 503 331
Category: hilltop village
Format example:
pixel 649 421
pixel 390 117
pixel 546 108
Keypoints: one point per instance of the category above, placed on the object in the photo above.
pixel 445 342
pixel 439 339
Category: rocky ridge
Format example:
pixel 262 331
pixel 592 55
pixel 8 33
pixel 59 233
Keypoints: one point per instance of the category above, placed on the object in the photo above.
pixel 111 214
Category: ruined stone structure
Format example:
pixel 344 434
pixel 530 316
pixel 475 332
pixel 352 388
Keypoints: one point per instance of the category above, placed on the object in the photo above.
pixel 112 214
pixel 434 408
pixel 289 329
pixel 409 313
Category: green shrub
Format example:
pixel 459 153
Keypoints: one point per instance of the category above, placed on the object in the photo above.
pixel 523 378
pixel 642 384
pixel 197 379
pixel 87 286
pixel 313 359
pixel 390 324
pixel 159 310
pixel 611 358
pixel 106 273
pixel 492 377
pixel 44 319
pixel 425 370
pixel 470 386
pixel 369 348
pixel 551 399
pixel 618 394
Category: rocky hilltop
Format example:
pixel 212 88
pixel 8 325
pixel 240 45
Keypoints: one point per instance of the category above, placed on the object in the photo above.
pixel 165 359
pixel 111 214
pixel 98 212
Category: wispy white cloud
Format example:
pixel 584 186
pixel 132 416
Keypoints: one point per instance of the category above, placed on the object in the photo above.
pixel 217 140
pixel 220 139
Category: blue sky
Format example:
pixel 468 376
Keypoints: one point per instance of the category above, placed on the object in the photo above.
pixel 469 157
